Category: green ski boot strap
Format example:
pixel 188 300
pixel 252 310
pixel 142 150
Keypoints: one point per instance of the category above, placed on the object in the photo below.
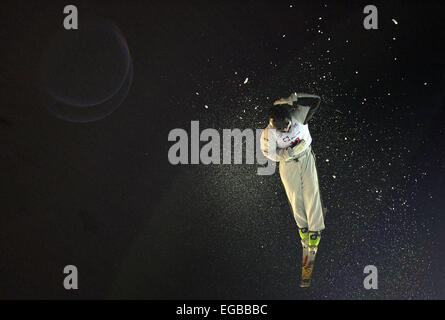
pixel 304 233
pixel 314 238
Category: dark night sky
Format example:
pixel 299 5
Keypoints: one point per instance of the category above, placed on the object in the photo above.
pixel 102 195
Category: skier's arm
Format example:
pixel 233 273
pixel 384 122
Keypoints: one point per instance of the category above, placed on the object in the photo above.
pixel 269 147
pixel 307 105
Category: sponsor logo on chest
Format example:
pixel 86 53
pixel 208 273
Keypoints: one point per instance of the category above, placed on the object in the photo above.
pixel 291 136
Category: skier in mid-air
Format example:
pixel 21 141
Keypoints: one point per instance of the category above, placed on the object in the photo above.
pixel 287 140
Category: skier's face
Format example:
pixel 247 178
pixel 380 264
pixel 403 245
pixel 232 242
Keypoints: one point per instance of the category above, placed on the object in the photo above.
pixel 289 123
pixel 281 125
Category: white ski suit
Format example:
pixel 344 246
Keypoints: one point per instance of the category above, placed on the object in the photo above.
pixel 298 172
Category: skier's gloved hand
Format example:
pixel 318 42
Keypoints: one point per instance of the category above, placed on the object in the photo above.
pixel 298 148
pixel 288 101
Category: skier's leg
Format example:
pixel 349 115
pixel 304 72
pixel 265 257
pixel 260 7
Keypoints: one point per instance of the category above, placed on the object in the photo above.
pixel 290 173
pixel 311 194
pixel 314 212
pixel 325 209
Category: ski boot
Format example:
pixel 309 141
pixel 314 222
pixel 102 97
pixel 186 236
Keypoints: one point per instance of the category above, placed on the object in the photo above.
pixel 313 239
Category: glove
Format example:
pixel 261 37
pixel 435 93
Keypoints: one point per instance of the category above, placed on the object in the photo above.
pixel 289 100
pixel 284 101
pixel 298 148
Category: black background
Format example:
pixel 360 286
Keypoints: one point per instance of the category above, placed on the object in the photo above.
pixel 103 196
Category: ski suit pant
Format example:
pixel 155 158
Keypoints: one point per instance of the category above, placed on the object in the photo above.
pixel 300 180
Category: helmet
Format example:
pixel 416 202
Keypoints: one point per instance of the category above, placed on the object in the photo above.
pixel 280 118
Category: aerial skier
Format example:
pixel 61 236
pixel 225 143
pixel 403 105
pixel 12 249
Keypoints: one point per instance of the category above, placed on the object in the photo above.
pixel 287 140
